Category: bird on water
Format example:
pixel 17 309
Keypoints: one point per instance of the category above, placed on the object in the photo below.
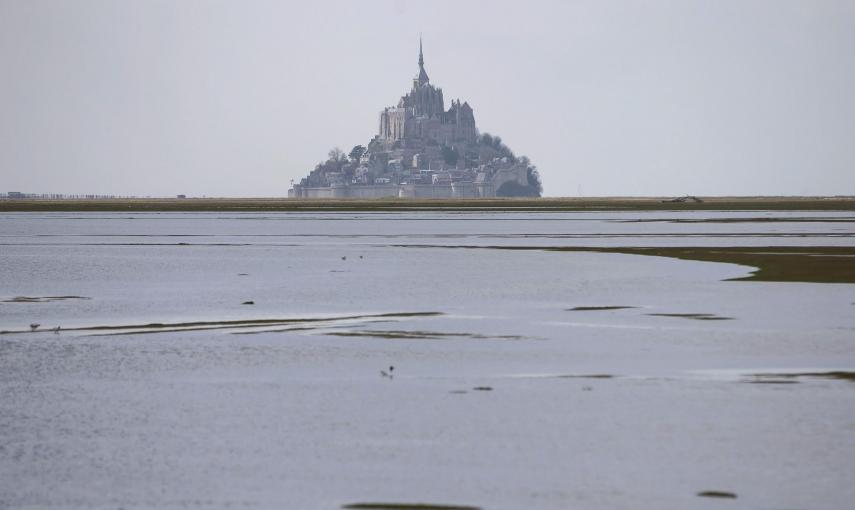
pixel 388 374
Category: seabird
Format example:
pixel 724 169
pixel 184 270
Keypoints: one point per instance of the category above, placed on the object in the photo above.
pixel 34 326
pixel 389 373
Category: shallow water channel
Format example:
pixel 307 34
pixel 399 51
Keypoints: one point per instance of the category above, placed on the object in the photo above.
pixel 242 360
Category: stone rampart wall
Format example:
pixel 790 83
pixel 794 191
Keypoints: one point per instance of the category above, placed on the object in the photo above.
pixel 455 190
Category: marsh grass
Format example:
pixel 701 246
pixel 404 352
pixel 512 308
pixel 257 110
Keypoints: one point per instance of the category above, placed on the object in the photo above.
pixel 395 204
pixel 808 264
pixel 816 264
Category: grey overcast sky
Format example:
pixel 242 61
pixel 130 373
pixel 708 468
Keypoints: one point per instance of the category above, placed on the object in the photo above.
pixel 236 98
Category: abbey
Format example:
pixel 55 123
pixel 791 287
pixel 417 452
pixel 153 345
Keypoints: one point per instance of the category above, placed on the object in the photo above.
pixel 421 114
pixel 422 149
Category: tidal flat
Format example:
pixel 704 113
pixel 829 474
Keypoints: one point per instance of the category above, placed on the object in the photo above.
pixel 426 358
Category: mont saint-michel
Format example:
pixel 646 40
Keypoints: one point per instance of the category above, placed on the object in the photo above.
pixel 422 149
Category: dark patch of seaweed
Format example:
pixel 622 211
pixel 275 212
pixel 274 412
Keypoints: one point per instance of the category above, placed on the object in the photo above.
pixel 419 335
pixel 189 326
pixel 717 494
pixel 598 308
pixel 281 330
pixel 586 376
pixel 694 316
pixel 840 375
pixel 772 381
pixel 41 299
pixel 315 327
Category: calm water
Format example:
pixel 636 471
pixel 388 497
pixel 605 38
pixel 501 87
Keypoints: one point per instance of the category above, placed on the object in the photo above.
pixel 281 403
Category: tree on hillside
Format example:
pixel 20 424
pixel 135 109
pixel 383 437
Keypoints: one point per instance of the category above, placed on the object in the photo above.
pixel 336 155
pixel 533 177
pixel 495 142
pixel 356 153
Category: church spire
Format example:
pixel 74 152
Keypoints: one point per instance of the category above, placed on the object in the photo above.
pixel 423 77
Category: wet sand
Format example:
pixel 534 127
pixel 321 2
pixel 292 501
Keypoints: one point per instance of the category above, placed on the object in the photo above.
pixel 564 360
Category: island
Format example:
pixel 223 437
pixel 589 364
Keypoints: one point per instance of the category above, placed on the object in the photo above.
pixel 422 150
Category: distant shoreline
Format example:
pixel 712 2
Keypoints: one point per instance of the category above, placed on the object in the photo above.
pixel 482 204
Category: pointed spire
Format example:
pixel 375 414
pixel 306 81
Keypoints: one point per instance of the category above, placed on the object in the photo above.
pixel 423 77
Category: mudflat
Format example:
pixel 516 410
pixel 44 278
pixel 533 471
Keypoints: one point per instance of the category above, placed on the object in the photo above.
pixel 427 359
